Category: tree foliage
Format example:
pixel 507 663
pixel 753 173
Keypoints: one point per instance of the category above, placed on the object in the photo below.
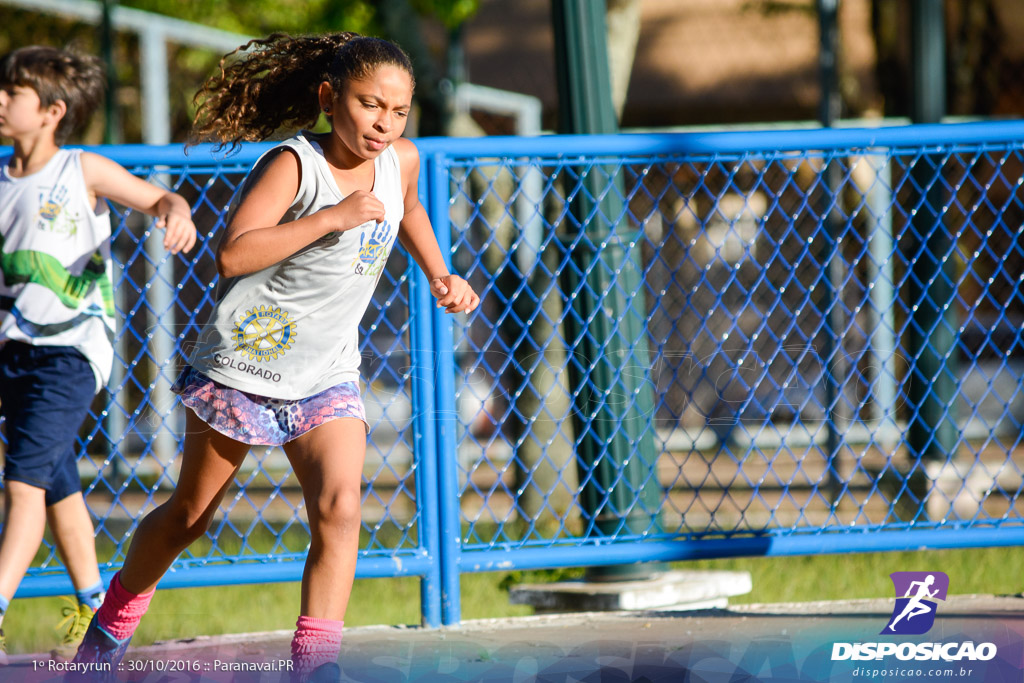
pixel 451 13
pixel 261 17
pixel 190 66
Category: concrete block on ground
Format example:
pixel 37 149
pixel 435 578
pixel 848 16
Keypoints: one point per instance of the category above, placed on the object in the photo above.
pixel 672 590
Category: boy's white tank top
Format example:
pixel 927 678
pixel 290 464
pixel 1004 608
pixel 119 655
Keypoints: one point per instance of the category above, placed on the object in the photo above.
pixel 291 330
pixel 55 270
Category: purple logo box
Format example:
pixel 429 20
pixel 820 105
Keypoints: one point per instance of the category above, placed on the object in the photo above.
pixel 916 593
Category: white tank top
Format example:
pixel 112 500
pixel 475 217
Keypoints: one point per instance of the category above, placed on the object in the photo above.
pixel 291 330
pixel 55 262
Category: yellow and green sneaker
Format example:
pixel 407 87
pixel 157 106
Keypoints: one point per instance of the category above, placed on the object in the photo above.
pixel 76 618
pixel 3 648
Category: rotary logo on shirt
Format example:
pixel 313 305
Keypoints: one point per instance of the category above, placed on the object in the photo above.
pixel 373 250
pixel 54 216
pixel 263 333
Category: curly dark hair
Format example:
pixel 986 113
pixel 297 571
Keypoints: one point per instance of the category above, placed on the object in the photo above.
pixel 57 75
pixel 270 84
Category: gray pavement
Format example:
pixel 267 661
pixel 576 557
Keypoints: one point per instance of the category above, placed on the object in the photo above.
pixel 768 642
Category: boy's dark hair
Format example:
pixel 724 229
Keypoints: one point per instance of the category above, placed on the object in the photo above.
pixel 272 85
pixel 76 79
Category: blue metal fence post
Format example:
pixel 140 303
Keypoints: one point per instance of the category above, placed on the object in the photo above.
pixel 424 433
pixel 446 451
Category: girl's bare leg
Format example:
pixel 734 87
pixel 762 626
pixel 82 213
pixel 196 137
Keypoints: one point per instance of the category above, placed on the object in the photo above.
pixel 328 462
pixel 208 466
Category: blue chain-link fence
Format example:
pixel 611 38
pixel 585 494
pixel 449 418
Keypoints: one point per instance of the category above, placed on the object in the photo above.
pixel 691 345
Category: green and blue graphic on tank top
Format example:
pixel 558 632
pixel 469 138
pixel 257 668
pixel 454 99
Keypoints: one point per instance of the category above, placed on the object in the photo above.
pixel 22 267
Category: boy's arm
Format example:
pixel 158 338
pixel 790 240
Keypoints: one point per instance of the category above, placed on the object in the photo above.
pixel 107 178
pixel 417 236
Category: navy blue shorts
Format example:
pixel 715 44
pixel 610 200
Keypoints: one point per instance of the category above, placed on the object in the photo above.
pixel 45 394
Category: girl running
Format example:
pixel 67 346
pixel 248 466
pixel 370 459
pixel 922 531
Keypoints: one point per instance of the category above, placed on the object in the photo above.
pixel 278 362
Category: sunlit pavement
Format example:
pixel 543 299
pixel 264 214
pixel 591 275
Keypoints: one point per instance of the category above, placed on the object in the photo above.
pixel 811 641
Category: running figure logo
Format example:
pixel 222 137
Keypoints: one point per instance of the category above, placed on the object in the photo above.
pixel 916 593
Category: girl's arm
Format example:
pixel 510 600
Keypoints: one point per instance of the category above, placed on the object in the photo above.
pixel 254 240
pixel 107 178
pixel 417 236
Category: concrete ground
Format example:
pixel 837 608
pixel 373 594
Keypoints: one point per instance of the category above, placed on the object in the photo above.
pixel 769 642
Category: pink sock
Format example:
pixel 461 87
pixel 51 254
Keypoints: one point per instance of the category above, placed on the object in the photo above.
pixel 121 611
pixel 316 642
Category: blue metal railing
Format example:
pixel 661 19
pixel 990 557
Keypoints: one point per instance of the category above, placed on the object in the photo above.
pixel 793 344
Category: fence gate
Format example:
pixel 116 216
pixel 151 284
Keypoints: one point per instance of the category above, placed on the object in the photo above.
pixel 688 346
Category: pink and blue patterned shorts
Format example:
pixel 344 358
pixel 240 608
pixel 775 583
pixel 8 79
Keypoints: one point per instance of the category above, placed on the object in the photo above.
pixel 262 421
